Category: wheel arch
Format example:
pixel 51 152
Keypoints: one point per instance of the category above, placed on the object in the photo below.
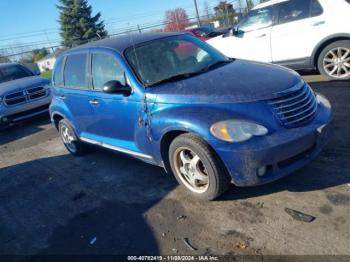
pixel 56 118
pixel 325 42
pixel 164 145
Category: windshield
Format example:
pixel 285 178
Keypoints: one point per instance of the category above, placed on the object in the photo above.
pixel 163 59
pixel 256 19
pixel 13 72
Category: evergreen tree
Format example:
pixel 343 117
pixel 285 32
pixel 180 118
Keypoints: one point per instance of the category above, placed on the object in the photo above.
pixel 78 26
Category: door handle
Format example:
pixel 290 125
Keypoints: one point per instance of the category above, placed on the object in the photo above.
pixel 318 23
pixel 62 97
pixel 261 36
pixel 94 102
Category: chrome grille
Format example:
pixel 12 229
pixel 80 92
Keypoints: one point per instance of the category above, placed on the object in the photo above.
pixel 296 106
pixel 25 96
pixel 36 92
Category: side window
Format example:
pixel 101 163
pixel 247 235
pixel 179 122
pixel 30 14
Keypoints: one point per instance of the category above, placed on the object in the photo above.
pixel 293 10
pixel 105 68
pixel 316 8
pixel 256 19
pixel 75 71
pixel 57 73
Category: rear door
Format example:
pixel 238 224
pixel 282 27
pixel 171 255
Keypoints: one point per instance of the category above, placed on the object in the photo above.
pixel 77 95
pixel 301 24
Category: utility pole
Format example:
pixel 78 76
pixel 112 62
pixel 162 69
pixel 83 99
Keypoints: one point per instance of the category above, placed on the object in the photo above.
pixel 139 29
pixel 196 6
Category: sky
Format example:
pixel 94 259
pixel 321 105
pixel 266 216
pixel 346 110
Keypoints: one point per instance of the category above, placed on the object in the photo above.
pixel 30 24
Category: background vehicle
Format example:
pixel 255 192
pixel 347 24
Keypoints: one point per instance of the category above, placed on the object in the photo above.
pixel 22 94
pixel 204 32
pixel 206 118
pixel 300 34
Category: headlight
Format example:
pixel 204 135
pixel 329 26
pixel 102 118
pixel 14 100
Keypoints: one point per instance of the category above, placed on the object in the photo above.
pixel 237 130
pixel 323 100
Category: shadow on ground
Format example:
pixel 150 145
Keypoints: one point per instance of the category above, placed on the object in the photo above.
pixel 90 205
pixel 23 129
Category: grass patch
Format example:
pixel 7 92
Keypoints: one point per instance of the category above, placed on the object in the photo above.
pixel 46 74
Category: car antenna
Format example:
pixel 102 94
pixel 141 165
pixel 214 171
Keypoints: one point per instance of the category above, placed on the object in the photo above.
pixel 133 46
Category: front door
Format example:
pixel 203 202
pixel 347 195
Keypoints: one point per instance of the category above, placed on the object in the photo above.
pixel 117 115
pixel 252 41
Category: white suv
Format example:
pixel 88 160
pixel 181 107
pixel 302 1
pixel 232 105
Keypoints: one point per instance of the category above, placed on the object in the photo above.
pixel 300 34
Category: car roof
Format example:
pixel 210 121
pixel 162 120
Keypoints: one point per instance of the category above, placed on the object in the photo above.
pixel 120 43
pixel 268 3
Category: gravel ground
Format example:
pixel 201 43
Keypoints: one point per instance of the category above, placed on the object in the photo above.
pixel 106 203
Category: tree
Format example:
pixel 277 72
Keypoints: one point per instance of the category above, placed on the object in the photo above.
pixel 4 59
pixel 39 54
pixel 250 4
pixel 207 10
pixel 225 13
pixel 176 20
pixel 25 59
pixel 78 26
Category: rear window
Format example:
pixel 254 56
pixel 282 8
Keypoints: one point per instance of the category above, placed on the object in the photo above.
pixel 293 10
pixel 75 71
pixel 316 8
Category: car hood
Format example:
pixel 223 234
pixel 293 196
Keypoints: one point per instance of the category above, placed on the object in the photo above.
pixel 239 81
pixel 22 83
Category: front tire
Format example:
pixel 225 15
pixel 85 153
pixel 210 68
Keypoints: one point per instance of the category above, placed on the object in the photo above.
pixel 70 139
pixel 334 61
pixel 197 168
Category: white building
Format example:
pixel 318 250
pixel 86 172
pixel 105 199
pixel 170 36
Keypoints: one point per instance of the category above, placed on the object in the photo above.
pixel 47 62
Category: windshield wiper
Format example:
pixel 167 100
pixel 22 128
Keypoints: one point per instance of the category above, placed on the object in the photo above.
pixel 175 78
pixel 190 74
pixel 215 65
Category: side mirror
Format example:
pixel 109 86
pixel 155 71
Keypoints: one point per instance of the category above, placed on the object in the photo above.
pixel 115 87
pixel 233 31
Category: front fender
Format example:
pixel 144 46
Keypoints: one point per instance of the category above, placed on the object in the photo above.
pixel 189 118
pixel 198 118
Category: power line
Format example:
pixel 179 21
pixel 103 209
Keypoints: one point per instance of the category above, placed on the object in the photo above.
pixel 119 31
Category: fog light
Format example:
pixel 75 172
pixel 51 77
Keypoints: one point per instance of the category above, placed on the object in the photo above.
pixel 261 171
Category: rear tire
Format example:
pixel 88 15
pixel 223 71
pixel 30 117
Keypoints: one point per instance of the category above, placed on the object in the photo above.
pixel 334 61
pixel 70 139
pixel 196 166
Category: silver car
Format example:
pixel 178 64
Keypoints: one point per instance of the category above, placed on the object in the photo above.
pixel 23 94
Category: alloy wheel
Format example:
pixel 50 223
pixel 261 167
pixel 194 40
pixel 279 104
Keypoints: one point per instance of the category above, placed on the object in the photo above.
pixel 68 138
pixel 336 62
pixel 191 170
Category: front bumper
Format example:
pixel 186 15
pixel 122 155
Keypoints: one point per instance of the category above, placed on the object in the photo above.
pixel 9 115
pixel 281 153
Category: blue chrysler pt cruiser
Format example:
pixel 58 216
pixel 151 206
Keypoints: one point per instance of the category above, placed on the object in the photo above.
pixel 174 101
